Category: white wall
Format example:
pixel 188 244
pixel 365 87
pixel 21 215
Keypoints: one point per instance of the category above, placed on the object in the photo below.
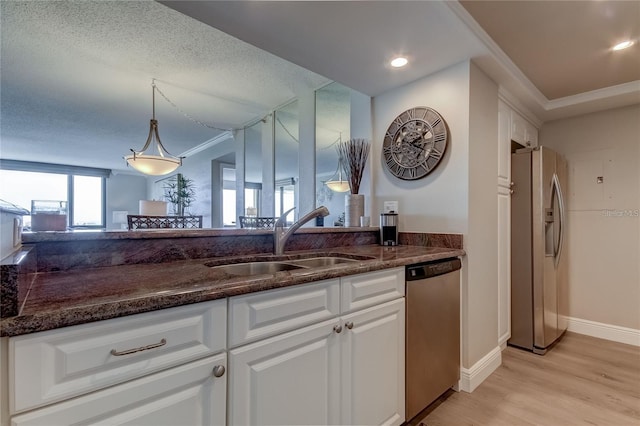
pixel 481 239
pixel 603 225
pixel 438 202
pixel 460 195
pixel 124 192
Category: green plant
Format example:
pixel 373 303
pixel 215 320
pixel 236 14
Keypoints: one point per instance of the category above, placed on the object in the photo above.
pixel 181 193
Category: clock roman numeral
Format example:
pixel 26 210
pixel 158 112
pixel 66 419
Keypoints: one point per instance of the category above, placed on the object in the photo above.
pixel 435 154
pixel 435 123
pixel 391 162
pixel 440 137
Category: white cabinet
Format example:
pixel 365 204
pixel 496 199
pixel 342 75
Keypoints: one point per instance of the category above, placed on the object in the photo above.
pixel 330 352
pixel 185 395
pixel 345 370
pixel 136 369
pixel 511 127
pixel 59 364
pixel 522 131
pixel 291 379
pixel 373 365
pixel 531 135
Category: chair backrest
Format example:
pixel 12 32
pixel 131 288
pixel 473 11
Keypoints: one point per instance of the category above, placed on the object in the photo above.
pixel 159 222
pixel 257 222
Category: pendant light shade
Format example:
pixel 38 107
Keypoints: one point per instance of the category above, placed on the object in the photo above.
pixel 338 185
pixel 153 158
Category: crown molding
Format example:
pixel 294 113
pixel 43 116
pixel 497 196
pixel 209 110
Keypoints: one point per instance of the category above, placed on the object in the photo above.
pixel 497 53
pixel 208 144
pixel 514 103
pixel 630 88
pixel 619 95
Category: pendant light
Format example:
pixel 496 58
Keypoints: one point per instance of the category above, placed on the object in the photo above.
pixel 158 161
pixel 338 185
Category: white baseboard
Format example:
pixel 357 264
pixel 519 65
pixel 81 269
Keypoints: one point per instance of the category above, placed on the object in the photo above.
pixel 470 378
pixel 630 336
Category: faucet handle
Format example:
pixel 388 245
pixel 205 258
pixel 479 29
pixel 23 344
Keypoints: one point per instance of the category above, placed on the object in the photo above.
pixel 282 220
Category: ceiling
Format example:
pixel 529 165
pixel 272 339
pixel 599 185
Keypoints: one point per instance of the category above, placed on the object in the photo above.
pixel 565 56
pixel 76 76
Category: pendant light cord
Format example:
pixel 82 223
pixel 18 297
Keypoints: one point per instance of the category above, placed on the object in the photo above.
pixel 195 120
pixel 153 98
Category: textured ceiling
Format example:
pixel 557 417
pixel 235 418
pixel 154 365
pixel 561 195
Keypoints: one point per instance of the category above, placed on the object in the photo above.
pixel 76 75
pixel 350 42
pixel 564 47
pixel 76 80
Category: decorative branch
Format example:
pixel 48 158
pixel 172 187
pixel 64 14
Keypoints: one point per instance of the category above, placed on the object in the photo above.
pixel 354 152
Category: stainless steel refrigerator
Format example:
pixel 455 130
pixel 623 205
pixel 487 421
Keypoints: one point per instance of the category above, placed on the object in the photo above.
pixel 538 261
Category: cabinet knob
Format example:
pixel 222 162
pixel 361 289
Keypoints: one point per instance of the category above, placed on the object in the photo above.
pixel 511 191
pixel 337 328
pixel 511 185
pixel 218 371
pixel 349 325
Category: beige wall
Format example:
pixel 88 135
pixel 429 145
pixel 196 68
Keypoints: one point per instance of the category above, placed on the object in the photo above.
pixel 603 233
pixel 460 195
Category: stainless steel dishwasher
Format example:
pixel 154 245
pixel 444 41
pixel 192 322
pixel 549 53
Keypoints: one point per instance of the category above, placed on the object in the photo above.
pixel 432 332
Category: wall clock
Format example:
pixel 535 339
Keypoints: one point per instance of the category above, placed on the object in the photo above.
pixel 415 143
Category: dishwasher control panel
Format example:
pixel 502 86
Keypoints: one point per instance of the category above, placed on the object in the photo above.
pixel 432 269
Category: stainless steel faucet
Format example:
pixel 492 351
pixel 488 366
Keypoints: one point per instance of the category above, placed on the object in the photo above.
pixel 281 235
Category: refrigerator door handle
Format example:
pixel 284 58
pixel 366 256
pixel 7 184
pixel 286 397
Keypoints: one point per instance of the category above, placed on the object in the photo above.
pixel 558 192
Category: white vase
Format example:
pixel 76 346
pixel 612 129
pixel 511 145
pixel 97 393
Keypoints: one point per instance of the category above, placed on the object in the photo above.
pixel 353 209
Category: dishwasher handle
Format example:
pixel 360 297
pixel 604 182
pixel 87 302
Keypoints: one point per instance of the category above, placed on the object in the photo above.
pixel 432 269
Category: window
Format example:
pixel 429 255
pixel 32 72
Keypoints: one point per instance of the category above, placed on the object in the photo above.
pixel 21 183
pixel 88 201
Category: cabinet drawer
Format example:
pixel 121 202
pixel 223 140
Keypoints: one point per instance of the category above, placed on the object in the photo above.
pixel 58 364
pixel 259 315
pixel 184 395
pixel 364 290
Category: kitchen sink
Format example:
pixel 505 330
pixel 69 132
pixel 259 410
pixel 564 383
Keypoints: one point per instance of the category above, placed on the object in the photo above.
pixel 255 268
pixel 271 265
pixel 318 262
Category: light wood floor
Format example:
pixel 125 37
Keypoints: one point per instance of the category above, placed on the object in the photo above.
pixel 581 381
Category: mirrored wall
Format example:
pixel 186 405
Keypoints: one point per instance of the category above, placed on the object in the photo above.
pixel 253 171
pixel 333 111
pixel 286 151
pixel 272 150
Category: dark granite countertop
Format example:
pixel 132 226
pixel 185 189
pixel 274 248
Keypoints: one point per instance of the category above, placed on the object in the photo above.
pixel 60 299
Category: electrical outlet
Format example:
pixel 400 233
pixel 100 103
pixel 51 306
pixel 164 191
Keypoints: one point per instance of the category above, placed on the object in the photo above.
pixel 391 207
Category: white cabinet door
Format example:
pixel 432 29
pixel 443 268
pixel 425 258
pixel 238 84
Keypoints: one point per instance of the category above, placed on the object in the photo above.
pixel 290 379
pixel 531 136
pixel 373 365
pixel 518 128
pixel 189 395
pixel 504 265
pixel 504 144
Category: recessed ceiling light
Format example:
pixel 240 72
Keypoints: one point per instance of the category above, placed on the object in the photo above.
pixel 623 45
pixel 399 62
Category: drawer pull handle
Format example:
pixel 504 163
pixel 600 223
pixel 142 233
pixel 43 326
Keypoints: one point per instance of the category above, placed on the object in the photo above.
pixel 337 328
pixel 140 349
pixel 349 325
